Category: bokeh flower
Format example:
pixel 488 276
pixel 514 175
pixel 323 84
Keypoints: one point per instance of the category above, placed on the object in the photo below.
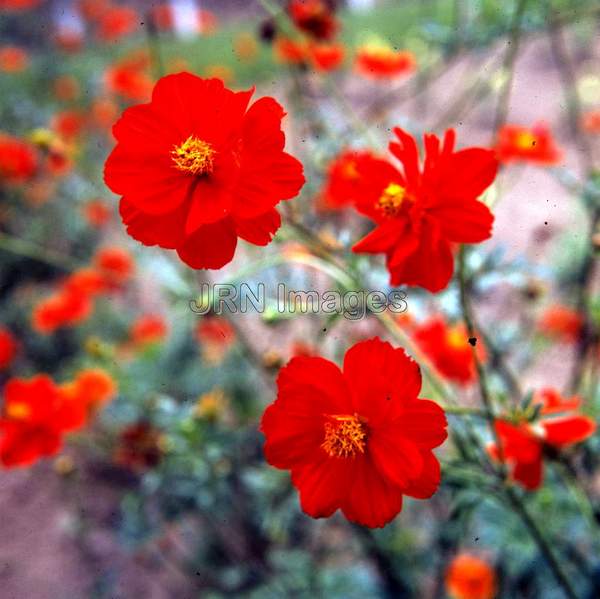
pixel 147 330
pixel 18 160
pixel 357 439
pixel 380 61
pixel 8 347
pixel 561 323
pixel 470 577
pixel 196 178
pixel 13 59
pixel 523 144
pixel 314 17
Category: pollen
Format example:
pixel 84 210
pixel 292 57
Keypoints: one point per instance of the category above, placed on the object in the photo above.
pixel 345 436
pixel 456 338
pixel 526 140
pixel 194 156
pixel 391 199
pixel 18 410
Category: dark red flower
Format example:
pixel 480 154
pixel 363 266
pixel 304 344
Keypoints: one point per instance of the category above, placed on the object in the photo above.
pixel 314 17
pixel 139 447
pixel 383 62
pixel 526 436
pixel 35 416
pixel 448 348
pixel 356 440
pixel 197 169
pixel 18 160
pixel 8 347
pixel 423 210
pixel 349 178
pixel 535 144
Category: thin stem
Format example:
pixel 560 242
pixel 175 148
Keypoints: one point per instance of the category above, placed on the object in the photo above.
pixel 541 541
pixel 29 249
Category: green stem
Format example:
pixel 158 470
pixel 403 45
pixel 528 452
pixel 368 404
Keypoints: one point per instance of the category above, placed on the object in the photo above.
pixel 28 249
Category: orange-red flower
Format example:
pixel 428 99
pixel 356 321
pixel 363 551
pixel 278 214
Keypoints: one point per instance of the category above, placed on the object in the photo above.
pixel 207 22
pixel 470 577
pixel 34 418
pixel 116 22
pixel 290 51
pixel 326 57
pixel 162 15
pixel 18 160
pixel 18 5
pixel 97 213
pixel 69 124
pixel 535 144
pixel 91 388
pixel 348 178
pixel 8 347
pixel 115 264
pixel 148 329
pixel 197 169
pixel 103 112
pixel 448 348
pixel 13 59
pixel 422 211
pixel 68 306
pixel 547 424
pixel 591 121
pixel 129 80
pixel 314 17
pixel 561 323
pixel 379 61
pixel 356 440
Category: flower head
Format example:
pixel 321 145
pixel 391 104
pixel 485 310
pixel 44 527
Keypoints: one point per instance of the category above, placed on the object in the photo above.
pixel 18 160
pixel 13 59
pixel 8 347
pixel 535 144
pixel 148 329
pixel 197 169
pixel 379 61
pixel 314 17
pixel 421 211
pixel 357 439
pixel 470 577
pixel 548 424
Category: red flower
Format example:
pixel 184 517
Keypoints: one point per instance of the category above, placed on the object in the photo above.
pixel 8 347
pixel 326 57
pixel 18 160
pixel 148 329
pixel 129 80
pixel 97 213
pixel 516 143
pixel 470 577
pixel 13 59
pixel 115 264
pixel 197 169
pixel 67 307
pixel 69 123
pixel 448 349
pixel 525 439
pixel 289 51
pixel 68 40
pixel 91 388
pixel 207 22
pixel 162 15
pixel 103 112
pixel 356 440
pixel 35 416
pixel 17 5
pixel 591 121
pixel 313 17
pixel 348 178
pixel 116 22
pixel 422 211
pixel 561 323
pixel 383 62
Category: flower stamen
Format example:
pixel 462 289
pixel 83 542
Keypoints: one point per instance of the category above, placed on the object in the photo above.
pixel 345 436
pixel 391 199
pixel 194 156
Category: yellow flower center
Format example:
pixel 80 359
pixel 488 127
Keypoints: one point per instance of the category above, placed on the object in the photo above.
pixel 526 140
pixel 345 436
pixel 194 156
pixel 456 338
pixel 18 410
pixel 391 199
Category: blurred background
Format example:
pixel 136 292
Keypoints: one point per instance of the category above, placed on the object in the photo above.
pixel 166 493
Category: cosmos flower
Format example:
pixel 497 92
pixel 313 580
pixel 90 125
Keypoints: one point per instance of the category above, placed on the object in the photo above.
pixel 548 425
pixel 421 211
pixel 92 388
pixel 379 61
pixel 35 416
pixel 196 169
pixel 357 439
pixel 523 144
pixel 314 17
pixel 147 330
pixel 8 347
pixel 326 57
pixel 13 59
pixel 18 160
pixel 68 306
pixel 448 348
pixel 115 264
pixel 470 577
